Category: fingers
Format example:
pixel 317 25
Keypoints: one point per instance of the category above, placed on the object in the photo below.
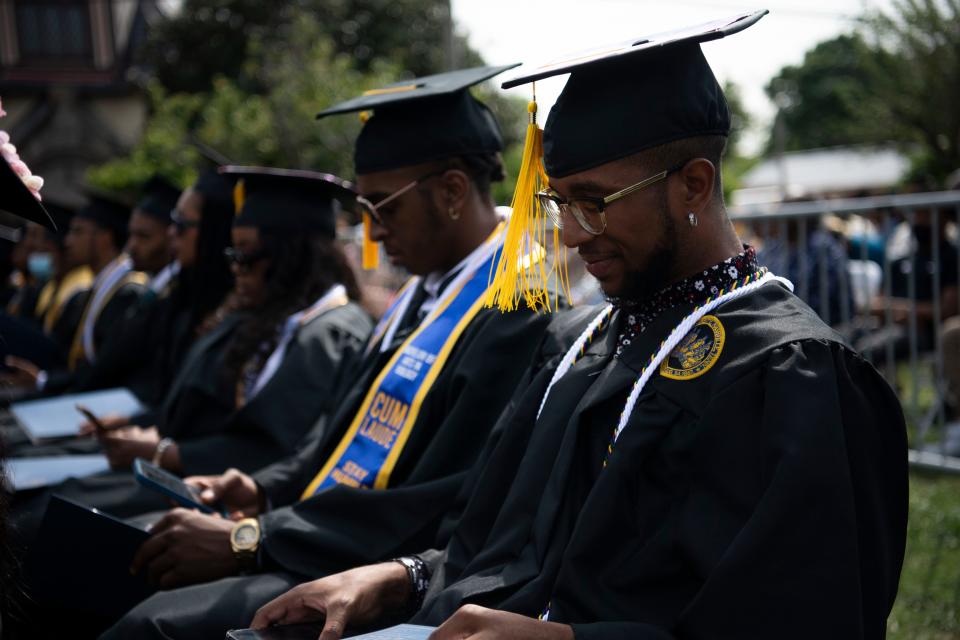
pixel 274 612
pixel 335 623
pixel 22 364
pixel 156 543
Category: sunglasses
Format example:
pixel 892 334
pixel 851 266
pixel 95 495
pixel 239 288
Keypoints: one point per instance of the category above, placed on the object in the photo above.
pixel 244 261
pixel 181 225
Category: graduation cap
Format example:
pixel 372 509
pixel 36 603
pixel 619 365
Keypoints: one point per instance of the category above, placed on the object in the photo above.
pixel 620 99
pixel 17 200
pixel 417 121
pixel 159 198
pixel 289 200
pixel 107 212
pixel 421 120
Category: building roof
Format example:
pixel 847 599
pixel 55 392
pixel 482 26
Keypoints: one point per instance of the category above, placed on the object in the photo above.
pixel 821 172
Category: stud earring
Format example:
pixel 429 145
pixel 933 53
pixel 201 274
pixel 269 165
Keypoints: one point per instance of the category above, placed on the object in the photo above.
pixel 453 213
pixel 692 219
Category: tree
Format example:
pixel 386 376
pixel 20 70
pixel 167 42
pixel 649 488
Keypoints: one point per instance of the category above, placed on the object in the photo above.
pixel 833 98
pixel 894 79
pixel 211 38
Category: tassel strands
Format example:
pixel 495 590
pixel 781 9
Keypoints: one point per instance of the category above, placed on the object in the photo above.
pixel 371 250
pixel 521 271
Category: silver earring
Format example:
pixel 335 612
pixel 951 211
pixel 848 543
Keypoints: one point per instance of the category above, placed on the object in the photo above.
pixel 453 213
pixel 692 219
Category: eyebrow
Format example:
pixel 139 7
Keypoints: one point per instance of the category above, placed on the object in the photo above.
pixel 587 188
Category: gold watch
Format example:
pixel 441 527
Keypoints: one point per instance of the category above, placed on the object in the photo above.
pixel 245 540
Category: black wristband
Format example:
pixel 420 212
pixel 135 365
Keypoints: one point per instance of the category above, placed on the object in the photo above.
pixel 419 576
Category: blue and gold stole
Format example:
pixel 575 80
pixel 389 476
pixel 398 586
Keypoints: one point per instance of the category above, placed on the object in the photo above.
pixel 368 451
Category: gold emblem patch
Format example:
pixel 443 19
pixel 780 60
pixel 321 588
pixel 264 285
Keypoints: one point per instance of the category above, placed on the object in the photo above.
pixel 697 352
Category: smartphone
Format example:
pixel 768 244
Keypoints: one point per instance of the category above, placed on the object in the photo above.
pixel 153 477
pixel 94 420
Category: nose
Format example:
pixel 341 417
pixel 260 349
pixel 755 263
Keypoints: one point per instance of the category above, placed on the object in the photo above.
pixel 572 234
pixel 378 232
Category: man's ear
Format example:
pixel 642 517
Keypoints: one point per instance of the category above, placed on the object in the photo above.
pixel 456 190
pixel 697 180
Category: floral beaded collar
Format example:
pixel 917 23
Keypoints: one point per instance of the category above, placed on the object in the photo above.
pixel 638 314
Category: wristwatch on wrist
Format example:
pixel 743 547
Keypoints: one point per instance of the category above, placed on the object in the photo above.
pixel 245 540
pixel 161 449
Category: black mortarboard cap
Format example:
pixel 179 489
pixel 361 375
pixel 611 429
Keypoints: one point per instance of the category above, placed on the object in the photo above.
pixel 17 200
pixel 421 120
pixel 159 198
pixel 289 200
pixel 107 212
pixel 621 99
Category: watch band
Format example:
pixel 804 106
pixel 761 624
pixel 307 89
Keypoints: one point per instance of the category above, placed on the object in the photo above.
pixel 162 447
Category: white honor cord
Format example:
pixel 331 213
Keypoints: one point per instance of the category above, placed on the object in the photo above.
pixel 571 356
pixel 681 330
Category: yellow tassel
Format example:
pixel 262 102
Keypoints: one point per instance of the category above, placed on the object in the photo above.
pixel 371 250
pixel 239 197
pixel 521 271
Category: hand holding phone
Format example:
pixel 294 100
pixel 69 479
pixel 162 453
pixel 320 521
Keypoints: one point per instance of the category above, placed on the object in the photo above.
pixel 98 425
pixel 153 477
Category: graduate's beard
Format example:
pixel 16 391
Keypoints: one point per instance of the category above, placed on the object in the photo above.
pixel 655 276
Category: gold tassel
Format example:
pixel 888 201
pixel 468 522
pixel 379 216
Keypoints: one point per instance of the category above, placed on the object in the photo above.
pixel 239 196
pixel 371 250
pixel 521 270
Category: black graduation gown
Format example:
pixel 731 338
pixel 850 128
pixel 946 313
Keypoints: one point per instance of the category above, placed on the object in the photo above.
pixel 343 527
pixel 765 498
pixel 109 323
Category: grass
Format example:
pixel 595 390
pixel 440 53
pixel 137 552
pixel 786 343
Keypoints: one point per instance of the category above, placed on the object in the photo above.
pixel 928 604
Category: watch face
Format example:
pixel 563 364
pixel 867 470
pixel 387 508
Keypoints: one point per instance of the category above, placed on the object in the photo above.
pixel 245 535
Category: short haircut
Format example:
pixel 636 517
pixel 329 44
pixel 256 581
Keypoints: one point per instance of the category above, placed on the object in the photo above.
pixel 673 153
pixel 483 169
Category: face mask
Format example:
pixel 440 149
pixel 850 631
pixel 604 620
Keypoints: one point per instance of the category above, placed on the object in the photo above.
pixel 40 265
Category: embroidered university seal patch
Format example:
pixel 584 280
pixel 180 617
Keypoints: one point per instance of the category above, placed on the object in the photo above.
pixel 697 352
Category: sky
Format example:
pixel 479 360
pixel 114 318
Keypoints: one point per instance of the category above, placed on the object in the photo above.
pixel 537 31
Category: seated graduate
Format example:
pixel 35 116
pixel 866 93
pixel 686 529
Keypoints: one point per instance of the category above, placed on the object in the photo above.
pixel 376 478
pixel 148 248
pixel 191 282
pixel 36 333
pixel 95 238
pixel 251 387
pixel 710 460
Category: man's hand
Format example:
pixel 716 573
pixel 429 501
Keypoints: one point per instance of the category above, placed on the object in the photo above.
pixel 23 373
pixel 186 547
pixel 110 422
pixel 358 596
pixel 479 623
pixel 122 446
pixel 235 490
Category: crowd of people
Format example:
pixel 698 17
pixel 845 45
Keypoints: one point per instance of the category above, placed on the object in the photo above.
pixel 697 456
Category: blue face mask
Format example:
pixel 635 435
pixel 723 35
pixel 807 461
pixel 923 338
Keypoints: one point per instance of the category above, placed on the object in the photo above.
pixel 40 266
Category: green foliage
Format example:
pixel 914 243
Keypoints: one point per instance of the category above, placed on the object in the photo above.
pixel 895 79
pixel 928 604
pixel 264 114
pixel 833 98
pixel 211 38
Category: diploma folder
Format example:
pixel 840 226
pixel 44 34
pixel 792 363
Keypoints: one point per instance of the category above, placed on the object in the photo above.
pixel 81 561
pixel 52 418
pixel 45 471
pixel 311 631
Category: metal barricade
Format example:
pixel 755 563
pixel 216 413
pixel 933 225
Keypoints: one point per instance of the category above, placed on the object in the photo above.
pixel 883 271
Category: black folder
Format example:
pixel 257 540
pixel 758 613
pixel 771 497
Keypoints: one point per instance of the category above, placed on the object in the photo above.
pixel 81 561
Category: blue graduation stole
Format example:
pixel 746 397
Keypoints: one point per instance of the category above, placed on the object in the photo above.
pixel 368 451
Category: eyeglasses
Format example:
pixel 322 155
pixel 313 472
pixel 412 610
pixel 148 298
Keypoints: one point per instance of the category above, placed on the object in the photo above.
pixel 589 211
pixel 180 224
pixel 244 261
pixel 373 209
